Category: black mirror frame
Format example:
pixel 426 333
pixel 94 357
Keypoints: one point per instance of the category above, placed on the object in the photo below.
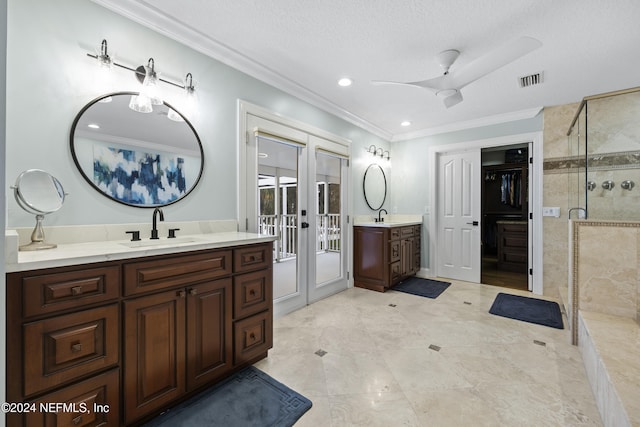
pixel 364 190
pixel 86 178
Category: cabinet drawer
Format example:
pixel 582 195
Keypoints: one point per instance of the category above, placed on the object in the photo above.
pixel 252 337
pixel 395 251
pixel 49 293
pixel 67 347
pixel 93 402
pixel 406 232
pixel 145 276
pixel 395 233
pixel 252 293
pixel 252 258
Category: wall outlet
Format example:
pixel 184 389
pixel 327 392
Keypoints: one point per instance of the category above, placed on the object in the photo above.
pixel 554 212
pixel 427 209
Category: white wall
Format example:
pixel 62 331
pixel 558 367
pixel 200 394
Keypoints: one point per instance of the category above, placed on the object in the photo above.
pixel 3 301
pixel 50 78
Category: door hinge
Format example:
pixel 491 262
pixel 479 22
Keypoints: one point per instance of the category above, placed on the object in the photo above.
pixel 531 272
pixel 530 215
pixel 347 219
pixel 531 160
pixel 347 275
pixel 246 224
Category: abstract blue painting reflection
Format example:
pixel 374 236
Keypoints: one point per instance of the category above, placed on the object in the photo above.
pixel 139 178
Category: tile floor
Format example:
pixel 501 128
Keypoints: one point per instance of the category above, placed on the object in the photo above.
pixel 394 359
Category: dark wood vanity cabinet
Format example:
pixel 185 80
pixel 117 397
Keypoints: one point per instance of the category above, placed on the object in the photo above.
pixel 383 256
pixel 135 336
pixel 512 246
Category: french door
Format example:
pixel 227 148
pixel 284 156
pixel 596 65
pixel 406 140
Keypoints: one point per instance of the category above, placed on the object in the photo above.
pixel 296 190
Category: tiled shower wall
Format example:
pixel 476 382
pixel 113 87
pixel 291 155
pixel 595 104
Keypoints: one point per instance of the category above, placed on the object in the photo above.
pixel 556 194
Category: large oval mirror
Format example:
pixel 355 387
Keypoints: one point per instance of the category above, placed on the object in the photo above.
pixel 138 159
pixel 374 186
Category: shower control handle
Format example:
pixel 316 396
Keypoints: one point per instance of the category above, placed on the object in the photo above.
pixel 627 185
pixel 608 185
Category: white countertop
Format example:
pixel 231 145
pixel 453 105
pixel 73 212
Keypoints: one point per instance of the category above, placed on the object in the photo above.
pixel 91 252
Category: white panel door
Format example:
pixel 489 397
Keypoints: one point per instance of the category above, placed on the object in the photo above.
pixel 459 216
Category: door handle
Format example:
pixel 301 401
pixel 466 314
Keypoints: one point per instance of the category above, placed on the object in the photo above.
pixel 474 223
pixel 304 225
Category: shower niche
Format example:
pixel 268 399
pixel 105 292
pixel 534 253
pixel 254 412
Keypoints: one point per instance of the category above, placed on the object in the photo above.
pixel 604 156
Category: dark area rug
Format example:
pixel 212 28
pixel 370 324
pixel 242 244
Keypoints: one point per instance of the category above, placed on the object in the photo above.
pixel 247 398
pixel 422 287
pixel 532 310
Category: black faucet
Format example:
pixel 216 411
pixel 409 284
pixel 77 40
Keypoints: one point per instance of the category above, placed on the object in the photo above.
pixel 380 219
pixel 154 230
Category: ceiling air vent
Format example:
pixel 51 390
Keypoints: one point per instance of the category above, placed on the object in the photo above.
pixel 531 80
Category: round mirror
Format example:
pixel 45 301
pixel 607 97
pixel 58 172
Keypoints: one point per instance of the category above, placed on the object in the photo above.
pixel 374 186
pixel 138 159
pixel 38 193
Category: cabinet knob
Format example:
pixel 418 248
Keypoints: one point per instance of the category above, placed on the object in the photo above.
pixel 76 290
pixel 76 347
pixel 252 336
pixel 252 292
pixel 182 294
pixel 77 420
pixel 193 291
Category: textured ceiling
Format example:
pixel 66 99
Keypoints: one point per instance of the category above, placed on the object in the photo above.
pixel 304 46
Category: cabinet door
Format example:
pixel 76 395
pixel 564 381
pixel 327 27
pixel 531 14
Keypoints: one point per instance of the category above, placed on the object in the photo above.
pixel 209 332
pixel 406 259
pixel 154 349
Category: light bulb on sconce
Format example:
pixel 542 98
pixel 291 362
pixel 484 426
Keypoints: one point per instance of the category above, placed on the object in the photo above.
pixel 188 105
pixel 104 60
pixel 150 87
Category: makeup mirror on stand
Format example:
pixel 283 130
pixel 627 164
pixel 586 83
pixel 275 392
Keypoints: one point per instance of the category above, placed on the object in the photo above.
pixel 38 193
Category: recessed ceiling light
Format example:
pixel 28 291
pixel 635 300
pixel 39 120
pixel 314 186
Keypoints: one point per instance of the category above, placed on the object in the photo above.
pixel 345 81
pixel 93 126
pixel 405 123
pixel 263 155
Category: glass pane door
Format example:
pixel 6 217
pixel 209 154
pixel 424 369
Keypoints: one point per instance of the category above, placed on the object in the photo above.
pixel 330 228
pixel 278 201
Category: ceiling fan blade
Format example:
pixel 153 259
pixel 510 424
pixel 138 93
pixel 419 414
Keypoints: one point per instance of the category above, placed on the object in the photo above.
pixel 452 100
pixel 492 61
pixel 386 82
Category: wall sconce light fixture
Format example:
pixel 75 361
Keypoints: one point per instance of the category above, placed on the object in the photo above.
pixel 190 98
pixel 378 152
pixel 150 92
pixel 104 60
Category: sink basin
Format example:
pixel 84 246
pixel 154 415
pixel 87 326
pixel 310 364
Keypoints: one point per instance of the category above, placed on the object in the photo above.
pixel 159 242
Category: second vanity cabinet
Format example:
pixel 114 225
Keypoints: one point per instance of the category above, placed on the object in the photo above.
pixel 383 256
pixel 135 336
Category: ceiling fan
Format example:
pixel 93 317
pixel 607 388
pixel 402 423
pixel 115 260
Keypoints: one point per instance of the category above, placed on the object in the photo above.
pixel 449 84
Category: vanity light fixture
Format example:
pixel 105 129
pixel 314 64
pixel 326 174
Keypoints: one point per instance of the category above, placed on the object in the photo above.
pixel 380 152
pixel 150 92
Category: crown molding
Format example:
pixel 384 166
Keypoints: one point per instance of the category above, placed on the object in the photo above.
pixel 145 14
pixel 469 124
